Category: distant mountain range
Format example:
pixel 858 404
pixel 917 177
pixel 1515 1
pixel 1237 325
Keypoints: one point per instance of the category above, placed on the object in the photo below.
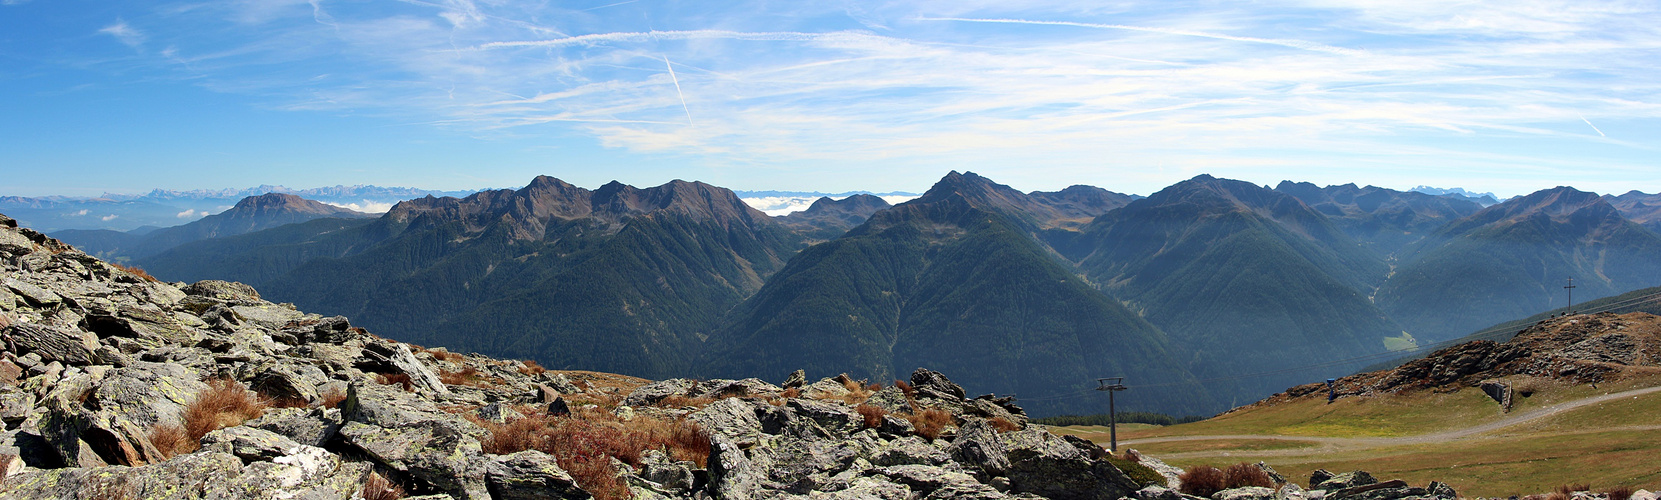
pixel 164 208
pixel 251 214
pixel 1207 292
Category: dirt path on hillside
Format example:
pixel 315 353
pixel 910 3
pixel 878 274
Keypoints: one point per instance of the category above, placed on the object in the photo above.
pixel 1328 444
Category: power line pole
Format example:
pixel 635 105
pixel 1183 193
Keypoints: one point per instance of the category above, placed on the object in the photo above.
pixel 1112 419
pixel 1570 289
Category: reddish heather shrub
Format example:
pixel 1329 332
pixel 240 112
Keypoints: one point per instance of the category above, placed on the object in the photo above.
pixel 135 271
pixel 531 368
pixel 584 443
pixel 906 388
pixel 379 488
pixel 1002 426
pixel 1622 492
pixel 872 414
pixel 401 379
pixel 791 393
pixel 225 403
pixel 333 398
pixel 1244 474
pixel 873 387
pixel 171 440
pixel 1202 481
pixel 930 422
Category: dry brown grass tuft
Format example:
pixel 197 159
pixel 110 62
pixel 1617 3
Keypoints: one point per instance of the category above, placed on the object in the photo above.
pixel 171 440
pixel 791 393
pixel 468 376
pixel 930 422
pixel 1622 492
pixel 333 398
pixel 679 401
pixel 1244 474
pixel 1002 425
pixel 401 379
pixel 531 368
pixel 135 271
pixel 857 393
pixel 584 442
pixel 872 414
pixel 906 388
pixel 1202 481
pixel 379 488
pixel 225 403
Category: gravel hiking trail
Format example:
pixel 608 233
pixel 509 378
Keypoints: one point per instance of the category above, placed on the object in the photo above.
pixel 1330 444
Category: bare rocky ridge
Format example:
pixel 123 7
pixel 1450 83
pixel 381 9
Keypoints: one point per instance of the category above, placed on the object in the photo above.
pixel 1585 348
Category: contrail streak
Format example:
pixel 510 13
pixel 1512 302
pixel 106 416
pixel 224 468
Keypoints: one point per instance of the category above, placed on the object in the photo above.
pixel 678 92
pixel 1589 124
pixel 1296 44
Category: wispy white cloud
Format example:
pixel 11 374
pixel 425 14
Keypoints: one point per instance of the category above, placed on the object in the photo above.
pixel 125 33
pixel 1296 44
pixel 1039 91
pixel 189 213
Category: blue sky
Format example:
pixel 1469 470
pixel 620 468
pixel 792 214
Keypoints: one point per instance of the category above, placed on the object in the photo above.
pixel 1506 96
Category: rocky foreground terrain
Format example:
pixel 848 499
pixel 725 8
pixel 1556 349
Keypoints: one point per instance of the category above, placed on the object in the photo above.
pixel 113 385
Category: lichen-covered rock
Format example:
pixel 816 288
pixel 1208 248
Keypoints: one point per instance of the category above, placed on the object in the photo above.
pixel 396 357
pixel 750 387
pixel 308 426
pixel 530 475
pixel 226 291
pixel 909 450
pixel 1341 481
pixel 732 476
pixel 796 379
pixel 1244 493
pixel 249 444
pixel 732 418
pixel 429 450
pixel 656 392
pixel 69 346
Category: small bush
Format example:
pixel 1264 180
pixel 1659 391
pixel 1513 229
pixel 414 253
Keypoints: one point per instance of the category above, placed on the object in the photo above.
pixel 910 393
pixel 1622 492
pixel 333 398
pixel 1243 474
pixel 873 387
pixel 171 440
pixel 679 401
pixel 135 271
pixel 1142 474
pixel 378 488
pixel 930 422
pixel 531 368
pixel 1002 426
pixel 1202 481
pixel 401 379
pixel 872 414
pixel 467 376
pixel 225 403
pixel 585 442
